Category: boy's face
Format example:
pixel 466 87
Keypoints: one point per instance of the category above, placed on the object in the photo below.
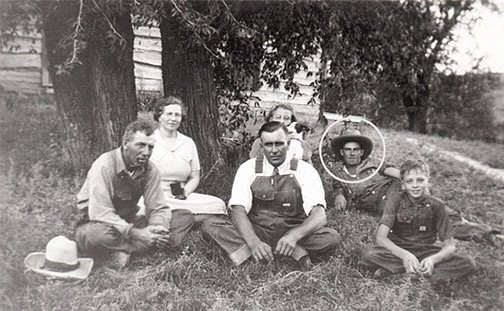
pixel 415 183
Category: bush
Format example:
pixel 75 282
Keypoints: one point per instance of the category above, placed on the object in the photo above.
pixel 461 107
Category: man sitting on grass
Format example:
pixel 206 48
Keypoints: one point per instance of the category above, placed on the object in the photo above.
pixel 277 205
pixel 408 228
pixel 355 163
pixel 109 197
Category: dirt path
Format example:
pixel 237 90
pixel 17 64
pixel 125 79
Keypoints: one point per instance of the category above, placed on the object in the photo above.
pixel 494 173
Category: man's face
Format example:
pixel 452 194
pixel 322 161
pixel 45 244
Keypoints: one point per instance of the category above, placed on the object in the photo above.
pixel 136 153
pixel 415 183
pixel 352 153
pixel 275 146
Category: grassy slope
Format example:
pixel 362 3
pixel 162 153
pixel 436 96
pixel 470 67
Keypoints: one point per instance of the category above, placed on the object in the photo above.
pixel 35 205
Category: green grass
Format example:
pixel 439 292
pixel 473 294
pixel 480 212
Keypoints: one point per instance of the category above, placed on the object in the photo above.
pixel 37 203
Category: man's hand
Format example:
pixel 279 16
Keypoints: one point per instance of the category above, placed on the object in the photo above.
pixel 340 202
pixel 261 250
pixel 285 246
pixel 148 235
pixel 426 266
pixel 164 235
pixel 410 263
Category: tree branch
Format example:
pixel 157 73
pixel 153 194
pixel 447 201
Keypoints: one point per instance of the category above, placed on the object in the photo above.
pixel 76 34
pixel 108 20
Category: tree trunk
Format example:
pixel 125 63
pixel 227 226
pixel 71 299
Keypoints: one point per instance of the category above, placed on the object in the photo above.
pixel 96 99
pixel 188 74
pixel 416 109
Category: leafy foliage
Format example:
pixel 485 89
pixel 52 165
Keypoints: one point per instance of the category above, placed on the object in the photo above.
pixel 461 109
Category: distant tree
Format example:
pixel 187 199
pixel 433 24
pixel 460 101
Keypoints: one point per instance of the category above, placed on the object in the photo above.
pixel 388 44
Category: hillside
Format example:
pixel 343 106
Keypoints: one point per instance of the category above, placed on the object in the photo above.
pixel 36 204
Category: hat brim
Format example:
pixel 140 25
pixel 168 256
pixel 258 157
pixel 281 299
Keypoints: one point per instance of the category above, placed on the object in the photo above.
pixel 35 262
pixel 337 144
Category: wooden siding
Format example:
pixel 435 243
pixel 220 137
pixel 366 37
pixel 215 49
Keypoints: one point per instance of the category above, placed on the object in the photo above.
pixel 22 69
pixel 21 63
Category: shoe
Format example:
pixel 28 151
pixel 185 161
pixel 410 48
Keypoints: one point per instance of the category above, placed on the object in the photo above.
pixel 305 263
pixel 381 273
pixel 120 259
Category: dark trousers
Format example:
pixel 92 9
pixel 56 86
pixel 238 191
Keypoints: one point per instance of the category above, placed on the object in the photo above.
pixel 269 230
pixel 98 238
pixel 375 256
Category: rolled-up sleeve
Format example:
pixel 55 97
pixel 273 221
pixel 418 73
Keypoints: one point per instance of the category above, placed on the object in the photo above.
pixel 156 208
pixel 390 211
pixel 241 194
pixel 312 188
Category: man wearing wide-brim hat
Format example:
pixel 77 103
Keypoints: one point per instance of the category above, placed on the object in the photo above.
pixel 353 150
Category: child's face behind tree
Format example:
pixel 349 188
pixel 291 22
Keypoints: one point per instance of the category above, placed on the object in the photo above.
pixel 416 183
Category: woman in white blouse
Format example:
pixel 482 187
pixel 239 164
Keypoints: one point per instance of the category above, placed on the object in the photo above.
pixel 176 157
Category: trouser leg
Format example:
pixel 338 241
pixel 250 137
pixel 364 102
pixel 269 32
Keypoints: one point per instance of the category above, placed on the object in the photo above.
pixel 180 224
pixel 97 239
pixel 375 256
pixel 225 234
pixel 458 265
pixel 467 230
pixel 452 268
pixel 321 241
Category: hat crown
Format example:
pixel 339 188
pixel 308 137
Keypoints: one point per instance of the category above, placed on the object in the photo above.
pixel 351 132
pixel 61 250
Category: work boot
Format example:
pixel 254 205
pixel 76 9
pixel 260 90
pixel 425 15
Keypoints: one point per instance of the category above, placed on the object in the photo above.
pixel 120 259
pixel 305 263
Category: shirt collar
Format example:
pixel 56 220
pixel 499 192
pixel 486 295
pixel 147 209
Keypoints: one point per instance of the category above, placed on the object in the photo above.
pixel 180 139
pixel 425 200
pixel 361 167
pixel 283 168
pixel 121 169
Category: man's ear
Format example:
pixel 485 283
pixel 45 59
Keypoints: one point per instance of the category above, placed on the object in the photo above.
pixel 341 152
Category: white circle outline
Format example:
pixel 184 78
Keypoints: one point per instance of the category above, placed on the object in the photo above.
pixel 352 181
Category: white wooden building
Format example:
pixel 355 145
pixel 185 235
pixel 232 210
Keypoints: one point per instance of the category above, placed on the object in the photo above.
pixel 23 69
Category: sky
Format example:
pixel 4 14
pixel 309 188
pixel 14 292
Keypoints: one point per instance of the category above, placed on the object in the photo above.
pixel 484 39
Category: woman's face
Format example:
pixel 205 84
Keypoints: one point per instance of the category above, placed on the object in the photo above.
pixel 171 117
pixel 282 115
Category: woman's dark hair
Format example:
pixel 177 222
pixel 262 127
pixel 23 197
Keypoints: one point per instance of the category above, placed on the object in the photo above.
pixel 167 101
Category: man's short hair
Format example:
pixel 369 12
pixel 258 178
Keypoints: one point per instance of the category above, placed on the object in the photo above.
pixel 273 126
pixel 414 164
pixel 143 126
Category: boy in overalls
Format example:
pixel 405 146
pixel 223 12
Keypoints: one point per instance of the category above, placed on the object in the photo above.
pixel 277 207
pixel 410 224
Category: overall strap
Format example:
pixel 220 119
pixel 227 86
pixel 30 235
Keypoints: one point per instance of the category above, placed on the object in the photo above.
pixel 260 160
pixel 259 164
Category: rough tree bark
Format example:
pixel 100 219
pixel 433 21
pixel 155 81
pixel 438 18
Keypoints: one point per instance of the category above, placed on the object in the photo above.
pixel 188 74
pixel 97 99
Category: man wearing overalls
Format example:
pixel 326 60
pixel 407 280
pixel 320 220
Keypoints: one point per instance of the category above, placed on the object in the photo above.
pixel 277 206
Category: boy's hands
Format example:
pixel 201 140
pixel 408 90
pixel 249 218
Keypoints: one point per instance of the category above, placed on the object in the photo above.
pixel 410 263
pixel 426 266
